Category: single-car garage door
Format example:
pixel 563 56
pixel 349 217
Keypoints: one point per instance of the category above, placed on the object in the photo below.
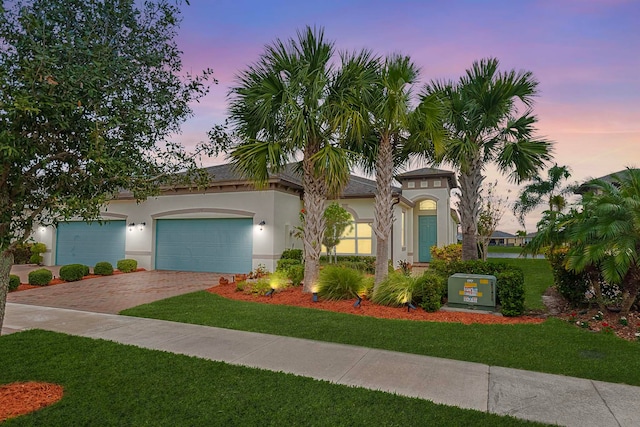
pixel 89 243
pixel 216 245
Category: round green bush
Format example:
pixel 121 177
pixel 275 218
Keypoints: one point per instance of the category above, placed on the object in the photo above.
pixel 127 265
pixel 73 272
pixel 40 277
pixel 14 282
pixel 103 268
pixel 295 273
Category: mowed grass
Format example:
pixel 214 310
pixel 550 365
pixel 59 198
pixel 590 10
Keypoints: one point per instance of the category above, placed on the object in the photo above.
pixel 537 278
pixel 553 346
pixel 108 384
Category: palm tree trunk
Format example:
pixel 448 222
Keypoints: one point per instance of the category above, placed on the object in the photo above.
pixel 631 285
pixel 383 215
pixel 6 261
pixel 470 183
pixel 314 201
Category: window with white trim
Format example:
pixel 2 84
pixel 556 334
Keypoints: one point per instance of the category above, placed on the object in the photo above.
pixel 358 240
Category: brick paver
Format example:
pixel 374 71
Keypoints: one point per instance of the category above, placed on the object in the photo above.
pixel 112 294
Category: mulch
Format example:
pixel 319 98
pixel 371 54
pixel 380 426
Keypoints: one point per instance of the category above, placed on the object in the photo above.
pixel 22 398
pixel 295 297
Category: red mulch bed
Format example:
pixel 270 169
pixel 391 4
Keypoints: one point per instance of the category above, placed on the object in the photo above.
pixel 58 281
pixel 294 296
pixel 23 398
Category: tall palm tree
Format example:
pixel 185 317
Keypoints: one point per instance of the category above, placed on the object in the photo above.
pixel 294 101
pixel 396 133
pixel 485 125
pixel 549 191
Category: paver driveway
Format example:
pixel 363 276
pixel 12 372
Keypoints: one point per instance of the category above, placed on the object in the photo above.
pixel 111 294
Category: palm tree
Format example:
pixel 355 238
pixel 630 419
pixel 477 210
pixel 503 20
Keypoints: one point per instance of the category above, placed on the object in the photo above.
pixel 604 236
pixel 540 191
pixel 485 126
pixel 292 101
pixel 397 132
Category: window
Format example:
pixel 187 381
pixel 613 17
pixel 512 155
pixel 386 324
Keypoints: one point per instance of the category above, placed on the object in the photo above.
pixel 428 205
pixel 358 240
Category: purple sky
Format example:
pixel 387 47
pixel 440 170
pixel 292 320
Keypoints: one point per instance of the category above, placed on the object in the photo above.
pixel 585 54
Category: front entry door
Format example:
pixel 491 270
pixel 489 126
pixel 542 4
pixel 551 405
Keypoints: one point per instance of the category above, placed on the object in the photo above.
pixel 427 236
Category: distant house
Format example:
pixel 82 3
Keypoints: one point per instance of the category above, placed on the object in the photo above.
pixel 232 227
pixel 501 238
pixel 586 187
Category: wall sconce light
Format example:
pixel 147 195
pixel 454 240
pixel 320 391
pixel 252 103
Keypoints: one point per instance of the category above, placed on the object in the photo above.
pixel 262 224
pixel 43 229
pixel 131 225
pixel 141 226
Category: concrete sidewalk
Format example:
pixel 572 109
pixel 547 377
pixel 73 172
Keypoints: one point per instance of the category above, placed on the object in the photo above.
pixel 529 395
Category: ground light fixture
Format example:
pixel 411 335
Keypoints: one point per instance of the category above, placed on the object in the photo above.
pixel 410 306
pixel 270 293
pixel 315 297
pixel 358 302
pixel 262 224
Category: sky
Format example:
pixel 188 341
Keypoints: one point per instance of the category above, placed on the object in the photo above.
pixel 584 53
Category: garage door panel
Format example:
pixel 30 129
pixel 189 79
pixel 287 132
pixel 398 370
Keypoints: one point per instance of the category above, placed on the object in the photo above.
pixel 89 243
pixel 214 245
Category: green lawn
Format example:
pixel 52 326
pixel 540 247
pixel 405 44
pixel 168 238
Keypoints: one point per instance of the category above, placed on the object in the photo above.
pixel 108 384
pixel 554 346
pixel 537 278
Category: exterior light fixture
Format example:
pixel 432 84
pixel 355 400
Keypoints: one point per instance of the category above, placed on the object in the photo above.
pixel 270 293
pixel 315 297
pixel 410 306
pixel 141 226
pixel 131 225
pixel 358 302
pixel 262 224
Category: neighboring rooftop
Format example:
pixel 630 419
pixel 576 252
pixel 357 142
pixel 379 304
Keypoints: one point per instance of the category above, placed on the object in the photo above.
pixel 607 178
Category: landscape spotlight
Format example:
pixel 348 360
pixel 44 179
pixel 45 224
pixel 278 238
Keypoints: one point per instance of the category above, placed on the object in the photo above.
pixel 358 302
pixel 270 293
pixel 315 297
pixel 410 306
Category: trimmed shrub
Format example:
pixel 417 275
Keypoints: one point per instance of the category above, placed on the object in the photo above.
pixel 285 263
pixel 73 272
pixel 36 250
pixel 396 290
pixel 447 253
pixel 40 277
pixel 429 291
pixel 366 264
pixel 337 283
pixel 571 285
pixel 14 282
pixel 295 273
pixel 510 292
pixel 103 268
pixel 127 265
pixel 292 254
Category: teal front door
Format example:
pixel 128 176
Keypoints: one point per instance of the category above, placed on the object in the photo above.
pixel 427 236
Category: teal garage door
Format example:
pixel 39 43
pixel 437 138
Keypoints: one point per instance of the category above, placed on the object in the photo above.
pixel 214 245
pixel 89 243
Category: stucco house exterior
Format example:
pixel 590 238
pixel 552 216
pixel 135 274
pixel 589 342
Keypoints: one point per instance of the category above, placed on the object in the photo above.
pixel 232 227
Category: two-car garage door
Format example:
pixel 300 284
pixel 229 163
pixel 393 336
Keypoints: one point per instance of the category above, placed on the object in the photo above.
pixel 218 245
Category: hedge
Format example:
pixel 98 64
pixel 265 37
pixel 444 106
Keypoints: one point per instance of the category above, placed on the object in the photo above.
pixel 103 269
pixel 127 265
pixel 40 277
pixel 73 272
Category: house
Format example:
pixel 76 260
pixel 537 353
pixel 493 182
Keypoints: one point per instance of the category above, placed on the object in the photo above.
pixel 502 238
pixel 232 227
pixel 586 187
